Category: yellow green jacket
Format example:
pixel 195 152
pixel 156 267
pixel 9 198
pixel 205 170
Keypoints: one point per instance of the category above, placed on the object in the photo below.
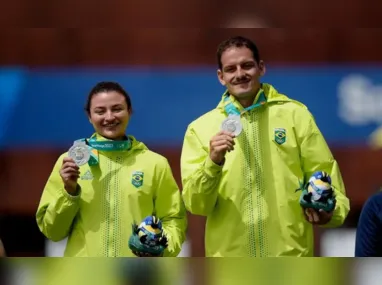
pixel 98 221
pixel 251 202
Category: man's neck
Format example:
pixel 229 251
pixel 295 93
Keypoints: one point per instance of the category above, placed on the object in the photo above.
pixel 248 100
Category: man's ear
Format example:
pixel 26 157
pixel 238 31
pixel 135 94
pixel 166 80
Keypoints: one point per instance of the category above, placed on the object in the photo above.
pixel 262 68
pixel 220 77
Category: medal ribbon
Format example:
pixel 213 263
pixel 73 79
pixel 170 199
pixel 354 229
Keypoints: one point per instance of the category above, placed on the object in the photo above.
pixel 231 109
pixel 94 146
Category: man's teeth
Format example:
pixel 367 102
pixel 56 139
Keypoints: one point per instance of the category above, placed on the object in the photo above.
pixel 111 125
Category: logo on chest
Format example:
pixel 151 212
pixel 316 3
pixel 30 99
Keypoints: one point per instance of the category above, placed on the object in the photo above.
pixel 280 135
pixel 137 179
pixel 87 176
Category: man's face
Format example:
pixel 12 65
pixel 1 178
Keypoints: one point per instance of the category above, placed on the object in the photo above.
pixel 240 72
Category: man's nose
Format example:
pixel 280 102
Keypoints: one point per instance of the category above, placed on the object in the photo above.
pixel 240 72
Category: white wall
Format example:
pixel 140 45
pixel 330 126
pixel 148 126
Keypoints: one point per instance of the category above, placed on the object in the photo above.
pixel 338 243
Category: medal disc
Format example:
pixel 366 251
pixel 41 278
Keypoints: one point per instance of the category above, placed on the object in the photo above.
pixel 233 125
pixel 80 153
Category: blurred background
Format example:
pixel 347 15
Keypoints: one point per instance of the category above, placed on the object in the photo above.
pixel 170 73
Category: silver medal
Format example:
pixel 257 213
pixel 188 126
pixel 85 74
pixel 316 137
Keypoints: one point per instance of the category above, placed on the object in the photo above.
pixel 232 124
pixel 79 152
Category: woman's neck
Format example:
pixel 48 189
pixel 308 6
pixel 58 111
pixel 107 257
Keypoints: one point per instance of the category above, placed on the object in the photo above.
pixel 120 138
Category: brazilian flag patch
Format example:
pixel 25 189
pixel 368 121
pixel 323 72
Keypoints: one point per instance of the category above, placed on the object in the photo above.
pixel 280 135
pixel 137 179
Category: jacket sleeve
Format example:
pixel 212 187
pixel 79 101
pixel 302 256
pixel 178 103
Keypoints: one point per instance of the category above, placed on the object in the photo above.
pixel 316 156
pixel 57 209
pixel 200 176
pixel 170 210
pixel 369 229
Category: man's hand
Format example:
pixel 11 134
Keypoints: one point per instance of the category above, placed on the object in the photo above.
pixel 219 145
pixel 315 217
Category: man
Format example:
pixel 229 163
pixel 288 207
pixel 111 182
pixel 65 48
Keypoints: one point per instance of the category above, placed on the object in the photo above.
pixel 2 250
pixel 369 230
pixel 244 177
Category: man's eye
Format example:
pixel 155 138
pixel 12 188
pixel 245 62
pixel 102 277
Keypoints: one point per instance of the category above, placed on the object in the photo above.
pixel 248 66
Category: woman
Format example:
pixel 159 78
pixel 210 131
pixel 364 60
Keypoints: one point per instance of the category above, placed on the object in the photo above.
pixel 95 200
pixel 368 241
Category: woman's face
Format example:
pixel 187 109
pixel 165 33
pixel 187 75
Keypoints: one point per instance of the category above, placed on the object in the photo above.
pixel 109 114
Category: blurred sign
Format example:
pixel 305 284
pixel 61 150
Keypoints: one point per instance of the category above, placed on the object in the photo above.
pixel 11 84
pixel 346 101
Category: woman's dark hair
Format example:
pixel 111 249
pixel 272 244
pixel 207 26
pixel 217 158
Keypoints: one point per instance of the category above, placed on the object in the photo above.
pixel 107 86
